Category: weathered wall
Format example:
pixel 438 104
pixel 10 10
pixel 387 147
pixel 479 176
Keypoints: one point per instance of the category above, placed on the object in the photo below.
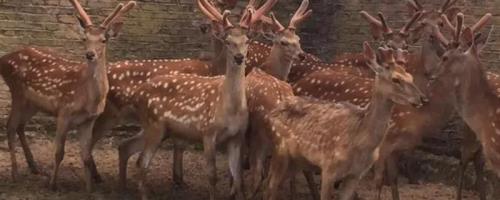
pixel 167 28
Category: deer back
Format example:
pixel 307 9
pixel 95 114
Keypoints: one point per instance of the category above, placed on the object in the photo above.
pixel 46 78
pixel 125 77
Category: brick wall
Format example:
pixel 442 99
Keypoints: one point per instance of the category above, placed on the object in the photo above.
pixel 166 28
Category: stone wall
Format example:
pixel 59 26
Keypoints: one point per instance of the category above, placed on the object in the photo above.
pixel 167 28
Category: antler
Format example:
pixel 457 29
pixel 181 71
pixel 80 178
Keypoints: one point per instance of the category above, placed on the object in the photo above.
pixel 482 22
pixel 83 15
pixel 299 16
pixel 416 5
pixel 209 10
pixel 460 23
pixel 213 14
pixel 118 13
pixel 408 25
pixel 251 15
pixel 385 27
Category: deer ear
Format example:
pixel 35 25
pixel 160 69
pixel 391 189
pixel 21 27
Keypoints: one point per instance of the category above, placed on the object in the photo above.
pixel 371 58
pixel 81 22
pixel 479 42
pixel 114 30
pixel 416 33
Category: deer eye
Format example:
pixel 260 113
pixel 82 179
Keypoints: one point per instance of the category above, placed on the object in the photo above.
pixel 445 58
pixel 395 80
pixel 284 43
pixel 104 41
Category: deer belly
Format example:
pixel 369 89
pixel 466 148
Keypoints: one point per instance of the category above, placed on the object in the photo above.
pixel 47 104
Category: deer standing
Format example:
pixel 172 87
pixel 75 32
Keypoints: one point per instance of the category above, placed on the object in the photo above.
pixel 331 135
pixel 472 93
pixel 410 124
pixel 208 109
pixel 73 92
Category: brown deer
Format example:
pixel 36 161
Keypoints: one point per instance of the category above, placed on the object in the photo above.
pixel 396 39
pixel 128 75
pixel 212 110
pixel 74 92
pixel 341 138
pixel 265 91
pixel 473 89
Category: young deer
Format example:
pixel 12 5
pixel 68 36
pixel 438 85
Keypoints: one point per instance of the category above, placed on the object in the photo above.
pixel 212 110
pixel 74 92
pixel 472 91
pixel 340 139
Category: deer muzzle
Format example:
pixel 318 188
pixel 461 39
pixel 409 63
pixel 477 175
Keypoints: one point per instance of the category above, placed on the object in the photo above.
pixel 238 58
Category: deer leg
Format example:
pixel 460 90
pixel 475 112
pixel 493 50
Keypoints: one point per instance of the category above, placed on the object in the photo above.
pixel 257 157
pixel 27 115
pixel 392 176
pixel 479 168
pixel 105 122
pixel 178 172
pixel 293 187
pixel 379 172
pixel 209 147
pixel 277 174
pixel 234 153
pixel 12 124
pixel 60 141
pixel 468 151
pixel 86 143
pixel 327 181
pixel 152 139
pixel 309 175
pixel 349 188
pixel 127 148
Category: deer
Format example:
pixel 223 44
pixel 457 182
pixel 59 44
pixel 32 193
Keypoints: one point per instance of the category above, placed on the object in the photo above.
pixel 465 73
pixel 397 39
pixel 409 124
pixel 123 87
pixel 212 110
pixel 356 134
pixel 267 87
pixel 74 92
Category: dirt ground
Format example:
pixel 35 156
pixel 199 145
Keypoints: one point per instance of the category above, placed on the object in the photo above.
pixel 31 187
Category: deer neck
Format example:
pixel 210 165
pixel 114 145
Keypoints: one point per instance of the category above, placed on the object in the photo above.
pixel 233 93
pixel 96 82
pixel 475 101
pixel 278 63
pixel 219 60
pixel 374 123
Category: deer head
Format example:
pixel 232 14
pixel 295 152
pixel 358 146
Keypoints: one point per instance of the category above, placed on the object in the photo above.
pixel 395 39
pixel 96 37
pixel 234 38
pixel 391 79
pixel 286 39
pixel 463 50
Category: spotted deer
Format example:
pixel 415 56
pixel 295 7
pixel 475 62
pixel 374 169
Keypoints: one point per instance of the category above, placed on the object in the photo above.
pixel 410 124
pixel 128 75
pixel 74 92
pixel 267 88
pixel 396 39
pixel 466 75
pixel 339 138
pixel 212 110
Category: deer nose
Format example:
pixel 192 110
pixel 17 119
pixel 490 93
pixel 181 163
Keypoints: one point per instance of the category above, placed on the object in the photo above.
pixel 238 58
pixel 90 55
pixel 302 56
pixel 424 99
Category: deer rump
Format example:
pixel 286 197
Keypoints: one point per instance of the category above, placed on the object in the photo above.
pixel 314 130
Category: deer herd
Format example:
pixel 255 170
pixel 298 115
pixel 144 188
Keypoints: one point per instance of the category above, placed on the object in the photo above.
pixel 280 108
